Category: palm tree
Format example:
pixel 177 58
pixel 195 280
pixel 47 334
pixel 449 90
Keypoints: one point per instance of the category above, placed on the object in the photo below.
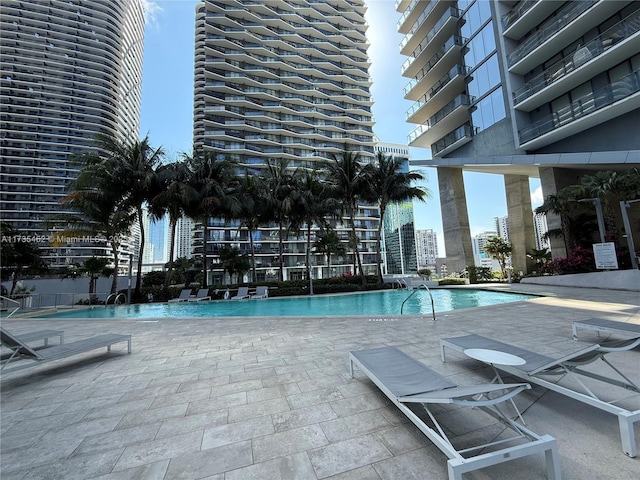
pixel 499 249
pixel 280 201
pixel 174 197
pixel 328 243
pixel 350 184
pixel 250 196
pixel 99 211
pixel 233 262
pixel 212 178
pixel 311 207
pixel 389 183
pixel 130 167
pixel 17 256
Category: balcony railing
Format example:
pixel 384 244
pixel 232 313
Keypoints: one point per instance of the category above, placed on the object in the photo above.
pixel 583 106
pixel 596 47
pixel 566 15
pixel 465 131
pixel 449 44
pixel 450 13
pixel 417 24
pixel 454 72
pixel 517 12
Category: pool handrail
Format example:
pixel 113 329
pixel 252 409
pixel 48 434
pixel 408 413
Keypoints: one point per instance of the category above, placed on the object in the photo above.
pixel 433 308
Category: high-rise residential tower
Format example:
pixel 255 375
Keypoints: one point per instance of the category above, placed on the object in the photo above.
pixel 398 226
pixel 68 70
pixel 427 247
pixel 525 89
pixel 283 79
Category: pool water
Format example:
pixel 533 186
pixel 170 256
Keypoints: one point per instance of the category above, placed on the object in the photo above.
pixel 384 302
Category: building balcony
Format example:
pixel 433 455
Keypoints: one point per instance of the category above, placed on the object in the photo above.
pixel 572 20
pixel 524 17
pixel 447 56
pixel 588 111
pixel 410 15
pixel 437 97
pixel 598 55
pixel 453 140
pixel 445 120
pixel 443 29
pixel 422 25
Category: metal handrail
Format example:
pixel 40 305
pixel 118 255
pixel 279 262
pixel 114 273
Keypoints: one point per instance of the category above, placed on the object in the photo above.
pixel 3 299
pixel 433 308
pixel 115 297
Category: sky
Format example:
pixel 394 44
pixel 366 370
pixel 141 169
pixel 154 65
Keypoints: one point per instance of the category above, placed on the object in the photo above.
pixel 167 104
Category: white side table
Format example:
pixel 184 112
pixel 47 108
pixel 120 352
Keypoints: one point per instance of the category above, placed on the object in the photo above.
pixel 493 358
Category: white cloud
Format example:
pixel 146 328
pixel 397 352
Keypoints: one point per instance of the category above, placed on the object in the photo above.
pixel 537 198
pixel 151 10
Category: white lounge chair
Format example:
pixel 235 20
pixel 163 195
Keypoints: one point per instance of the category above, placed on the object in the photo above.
pixel 261 292
pixel 601 325
pixel 550 372
pixel 201 296
pixel 243 292
pixel 24 356
pixel 185 294
pixel 409 384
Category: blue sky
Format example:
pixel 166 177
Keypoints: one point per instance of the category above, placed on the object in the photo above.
pixel 167 103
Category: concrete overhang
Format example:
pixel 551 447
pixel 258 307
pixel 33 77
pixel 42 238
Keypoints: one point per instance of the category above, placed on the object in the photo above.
pixel 529 164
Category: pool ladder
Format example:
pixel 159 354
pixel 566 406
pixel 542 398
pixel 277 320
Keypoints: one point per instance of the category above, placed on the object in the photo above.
pixel 115 297
pixel 433 308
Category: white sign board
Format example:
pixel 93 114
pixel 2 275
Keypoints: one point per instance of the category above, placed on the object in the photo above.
pixel 605 255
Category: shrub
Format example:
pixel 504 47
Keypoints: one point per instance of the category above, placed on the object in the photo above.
pixel 579 260
pixel 451 281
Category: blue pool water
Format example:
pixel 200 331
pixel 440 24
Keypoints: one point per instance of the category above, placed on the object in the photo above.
pixel 384 302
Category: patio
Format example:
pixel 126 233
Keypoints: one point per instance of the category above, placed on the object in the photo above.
pixel 272 398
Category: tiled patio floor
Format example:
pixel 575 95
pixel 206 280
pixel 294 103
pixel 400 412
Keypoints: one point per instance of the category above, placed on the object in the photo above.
pixel 271 398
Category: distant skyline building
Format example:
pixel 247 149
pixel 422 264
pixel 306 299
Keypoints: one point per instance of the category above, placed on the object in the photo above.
pixel 184 238
pixel 541 228
pixel 68 70
pixel 400 256
pixel 523 89
pixel 502 227
pixel 284 79
pixel 427 247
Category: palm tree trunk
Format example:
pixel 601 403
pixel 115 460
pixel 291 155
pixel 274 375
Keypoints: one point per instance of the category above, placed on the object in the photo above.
pixel 114 281
pixel 280 252
pixel 308 259
pixel 379 244
pixel 136 293
pixel 253 255
pixel 356 255
pixel 172 225
pixel 205 269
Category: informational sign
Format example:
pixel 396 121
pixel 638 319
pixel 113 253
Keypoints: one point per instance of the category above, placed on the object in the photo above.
pixel 605 255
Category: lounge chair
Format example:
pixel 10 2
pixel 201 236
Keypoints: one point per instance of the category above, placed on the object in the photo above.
pixel 185 294
pixel 261 292
pixel 243 292
pixel 201 296
pixel 601 325
pixel 43 335
pixel 550 372
pixel 409 383
pixel 22 351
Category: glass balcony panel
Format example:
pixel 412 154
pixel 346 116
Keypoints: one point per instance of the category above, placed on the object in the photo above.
pixel 583 106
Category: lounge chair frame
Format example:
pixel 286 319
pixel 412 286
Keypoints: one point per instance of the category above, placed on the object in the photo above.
pixel 22 351
pixel 477 396
pixel 43 335
pixel 261 292
pixel 555 370
pixel 243 292
pixel 600 325
pixel 201 296
pixel 185 295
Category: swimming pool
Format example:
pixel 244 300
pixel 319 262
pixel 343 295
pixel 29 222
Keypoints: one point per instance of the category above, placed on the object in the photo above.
pixel 377 303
